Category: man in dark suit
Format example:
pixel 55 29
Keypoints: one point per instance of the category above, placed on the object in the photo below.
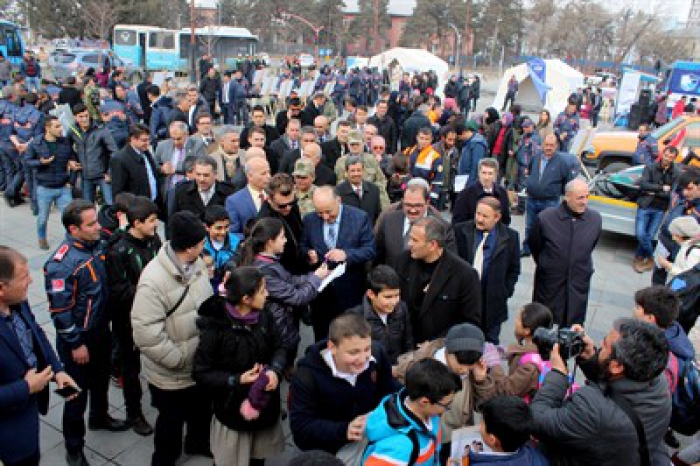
pixel 313 109
pixel 171 153
pixel 486 185
pixel 226 98
pixel 180 110
pixel 283 116
pixel 439 288
pixel 307 136
pixel 356 192
pixel 246 203
pixel 337 234
pixel 338 146
pixel 493 249
pixel 142 92
pixel 196 195
pixel 133 168
pixel 287 143
pixel 258 120
pixel 27 365
pixel 392 230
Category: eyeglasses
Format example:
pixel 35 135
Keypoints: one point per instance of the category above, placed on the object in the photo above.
pixel 445 406
pixel 288 204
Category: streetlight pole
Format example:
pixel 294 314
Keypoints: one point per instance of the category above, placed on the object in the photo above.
pixel 458 48
pixel 193 43
pixel 316 29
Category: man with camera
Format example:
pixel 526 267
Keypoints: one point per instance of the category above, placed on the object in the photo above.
pixel 625 401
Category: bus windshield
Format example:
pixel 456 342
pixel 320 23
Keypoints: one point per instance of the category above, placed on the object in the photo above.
pixel 125 37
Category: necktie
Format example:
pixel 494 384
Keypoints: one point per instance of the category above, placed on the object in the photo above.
pixel 261 196
pixel 479 255
pixel 543 165
pixel 331 236
pixel 24 335
pixel 295 145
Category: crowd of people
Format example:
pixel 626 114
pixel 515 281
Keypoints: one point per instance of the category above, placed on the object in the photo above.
pixel 339 225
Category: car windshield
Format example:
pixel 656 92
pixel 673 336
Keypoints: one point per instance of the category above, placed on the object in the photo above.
pixel 65 58
pixel 659 132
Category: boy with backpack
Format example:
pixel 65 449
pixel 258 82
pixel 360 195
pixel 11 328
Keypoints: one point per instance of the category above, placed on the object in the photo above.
pixel 506 428
pixel 405 427
pixel 658 306
pixel 386 313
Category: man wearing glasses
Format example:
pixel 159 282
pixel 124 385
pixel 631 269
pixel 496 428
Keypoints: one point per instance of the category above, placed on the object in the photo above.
pixel 281 203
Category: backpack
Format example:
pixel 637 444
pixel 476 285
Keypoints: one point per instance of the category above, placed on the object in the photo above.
pixel 543 367
pixel 685 408
pixel 687 288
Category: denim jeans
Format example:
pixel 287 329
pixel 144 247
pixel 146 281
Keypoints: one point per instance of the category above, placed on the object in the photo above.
pixel 90 187
pixel 646 226
pixel 534 207
pixel 45 197
pixel 33 84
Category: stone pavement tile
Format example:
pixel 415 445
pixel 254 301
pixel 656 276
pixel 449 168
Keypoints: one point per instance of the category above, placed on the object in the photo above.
pixel 57 457
pixel 49 437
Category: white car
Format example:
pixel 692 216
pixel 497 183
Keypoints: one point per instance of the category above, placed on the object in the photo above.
pixel 306 60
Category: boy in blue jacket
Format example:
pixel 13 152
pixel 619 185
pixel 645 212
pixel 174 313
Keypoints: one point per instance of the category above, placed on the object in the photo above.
pixel 219 244
pixel 405 427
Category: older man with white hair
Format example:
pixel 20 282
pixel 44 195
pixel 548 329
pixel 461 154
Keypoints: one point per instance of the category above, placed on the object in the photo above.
pixel 245 203
pixel 562 240
pixel 171 154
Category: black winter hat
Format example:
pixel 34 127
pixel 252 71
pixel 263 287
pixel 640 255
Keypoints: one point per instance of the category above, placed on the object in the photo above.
pixel 185 230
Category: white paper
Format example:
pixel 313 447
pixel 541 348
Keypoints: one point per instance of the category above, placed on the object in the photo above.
pixel 335 273
pixel 460 182
pixel 464 440
pixel 660 251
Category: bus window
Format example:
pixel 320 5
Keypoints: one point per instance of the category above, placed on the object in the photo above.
pixel 168 40
pixel 14 45
pixel 125 37
pixel 153 40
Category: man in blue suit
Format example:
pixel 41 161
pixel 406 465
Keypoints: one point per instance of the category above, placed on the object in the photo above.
pixel 245 204
pixel 336 234
pixel 27 365
pixel 227 97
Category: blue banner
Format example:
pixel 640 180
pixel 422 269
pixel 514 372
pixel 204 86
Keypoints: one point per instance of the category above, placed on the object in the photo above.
pixel 538 72
pixel 685 80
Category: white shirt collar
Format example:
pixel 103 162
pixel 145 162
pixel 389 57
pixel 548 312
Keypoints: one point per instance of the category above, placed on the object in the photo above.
pixel 350 378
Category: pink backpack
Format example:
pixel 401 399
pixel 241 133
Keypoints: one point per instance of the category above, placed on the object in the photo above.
pixel 543 367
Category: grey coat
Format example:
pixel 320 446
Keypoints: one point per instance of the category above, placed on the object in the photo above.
pixel 94 148
pixel 194 147
pixel 589 428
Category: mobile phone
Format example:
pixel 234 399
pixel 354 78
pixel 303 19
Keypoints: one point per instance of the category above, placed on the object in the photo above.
pixel 67 391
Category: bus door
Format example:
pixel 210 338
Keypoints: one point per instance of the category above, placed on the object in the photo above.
pixel 11 44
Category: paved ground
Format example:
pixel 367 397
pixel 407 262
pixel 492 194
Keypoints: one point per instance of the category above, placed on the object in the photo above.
pixel 611 296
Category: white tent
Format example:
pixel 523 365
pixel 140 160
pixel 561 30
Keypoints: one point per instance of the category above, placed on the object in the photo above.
pixel 561 79
pixel 410 60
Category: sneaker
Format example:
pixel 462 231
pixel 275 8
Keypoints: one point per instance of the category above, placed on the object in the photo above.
pixel 140 425
pixel 638 264
pixel 43 244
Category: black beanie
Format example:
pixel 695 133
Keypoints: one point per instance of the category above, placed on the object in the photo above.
pixel 185 230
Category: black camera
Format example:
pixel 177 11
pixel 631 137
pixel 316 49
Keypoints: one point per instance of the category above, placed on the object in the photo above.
pixel 570 342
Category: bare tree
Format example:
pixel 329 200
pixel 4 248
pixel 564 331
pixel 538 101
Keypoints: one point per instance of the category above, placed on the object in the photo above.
pixel 100 17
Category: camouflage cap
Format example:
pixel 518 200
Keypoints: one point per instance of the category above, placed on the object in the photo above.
pixel 355 137
pixel 304 167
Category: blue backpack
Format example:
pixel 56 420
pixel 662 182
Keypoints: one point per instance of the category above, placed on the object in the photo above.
pixel 685 411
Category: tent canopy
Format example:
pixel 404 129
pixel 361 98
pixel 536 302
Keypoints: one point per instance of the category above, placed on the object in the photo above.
pixel 410 60
pixel 553 79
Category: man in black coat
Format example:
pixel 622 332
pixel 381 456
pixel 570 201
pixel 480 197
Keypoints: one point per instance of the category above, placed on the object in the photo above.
pixel 415 122
pixel 385 125
pixel 69 94
pixel 313 109
pixel 180 111
pixel 142 92
pixel 209 88
pixel 196 195
pixel 281 203
pixel 493 249
pixel 283 116
pixel 439 288
pixel 486 185
pixel 562 240
pixel 133 168
pixel 258 119
pixel 338 146
pixel 356 192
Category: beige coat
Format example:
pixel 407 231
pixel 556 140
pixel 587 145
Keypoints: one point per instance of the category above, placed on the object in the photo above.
pixel 167 344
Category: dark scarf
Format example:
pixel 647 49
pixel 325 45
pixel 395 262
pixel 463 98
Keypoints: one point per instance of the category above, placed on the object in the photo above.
pixel 249 319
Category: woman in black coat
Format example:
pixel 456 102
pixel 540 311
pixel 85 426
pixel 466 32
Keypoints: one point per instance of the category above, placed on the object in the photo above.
pixel 240 344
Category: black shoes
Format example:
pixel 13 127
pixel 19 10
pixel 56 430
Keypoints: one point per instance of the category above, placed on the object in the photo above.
pixel 76 459
pixel 140 425
pixel 108 423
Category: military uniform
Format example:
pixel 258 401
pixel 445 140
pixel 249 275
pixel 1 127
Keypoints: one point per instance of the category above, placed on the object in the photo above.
pixel 76 286
pixel 566 123
pixel 372 173
pixel 305 201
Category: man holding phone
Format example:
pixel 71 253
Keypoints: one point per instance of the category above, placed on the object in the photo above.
pixel 27 366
